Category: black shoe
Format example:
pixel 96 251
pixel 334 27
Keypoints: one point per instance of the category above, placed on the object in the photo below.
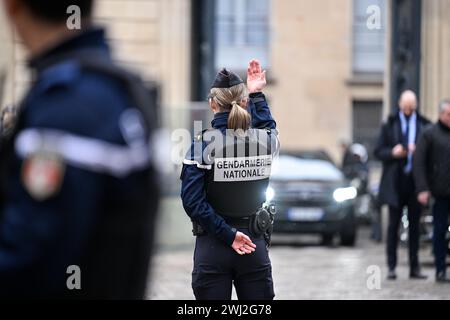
pixel 441 277
pixel 416 274
pixel 392 275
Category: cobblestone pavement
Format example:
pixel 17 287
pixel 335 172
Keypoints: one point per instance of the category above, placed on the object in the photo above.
pixel 310 271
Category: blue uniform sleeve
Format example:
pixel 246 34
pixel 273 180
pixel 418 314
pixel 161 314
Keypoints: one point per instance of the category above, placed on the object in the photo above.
pixel 195 203
pixel 260 112
pixel 262 118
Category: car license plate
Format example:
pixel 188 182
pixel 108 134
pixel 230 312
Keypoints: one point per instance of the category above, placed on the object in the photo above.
pixel 305 214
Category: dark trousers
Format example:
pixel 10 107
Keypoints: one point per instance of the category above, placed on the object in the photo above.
pixel 377 230
pixel 217 267
pixel 408 199
pixel 441 211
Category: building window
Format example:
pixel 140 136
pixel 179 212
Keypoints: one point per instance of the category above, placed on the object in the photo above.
pixel 366 122
pixel 368 44
pixel 241 33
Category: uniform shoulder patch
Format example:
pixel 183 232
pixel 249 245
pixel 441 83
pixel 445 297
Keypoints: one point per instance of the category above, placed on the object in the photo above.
pixel 42 175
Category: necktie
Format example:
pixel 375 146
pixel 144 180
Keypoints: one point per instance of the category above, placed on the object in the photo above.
pixel 406 134
pixel 408 166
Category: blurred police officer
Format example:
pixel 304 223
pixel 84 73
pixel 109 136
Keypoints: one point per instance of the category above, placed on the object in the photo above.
pixel 224 180
pixel 432 174
pixel 78 187
pixel 395 147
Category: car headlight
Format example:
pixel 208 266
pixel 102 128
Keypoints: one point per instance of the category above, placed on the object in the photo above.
pixel 344 194
pixel 270 194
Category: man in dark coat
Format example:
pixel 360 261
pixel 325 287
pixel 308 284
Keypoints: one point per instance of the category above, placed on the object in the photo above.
pixel 432 175
pixel 395 148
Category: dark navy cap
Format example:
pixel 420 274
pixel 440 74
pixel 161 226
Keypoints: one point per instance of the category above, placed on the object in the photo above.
pixel 226 79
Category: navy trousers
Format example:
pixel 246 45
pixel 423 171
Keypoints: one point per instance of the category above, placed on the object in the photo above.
pixel 408 198
pixel 441 211
pixel 217 267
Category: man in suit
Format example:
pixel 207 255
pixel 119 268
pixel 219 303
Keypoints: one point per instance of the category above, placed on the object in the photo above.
pixel 395 148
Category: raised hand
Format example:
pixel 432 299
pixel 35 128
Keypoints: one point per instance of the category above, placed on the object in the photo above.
pixel 256 78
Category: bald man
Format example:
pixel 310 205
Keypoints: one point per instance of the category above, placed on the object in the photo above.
pixel 395 148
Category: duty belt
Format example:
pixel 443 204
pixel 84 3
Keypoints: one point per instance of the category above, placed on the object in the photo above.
pixel 238 222
pixel 258 224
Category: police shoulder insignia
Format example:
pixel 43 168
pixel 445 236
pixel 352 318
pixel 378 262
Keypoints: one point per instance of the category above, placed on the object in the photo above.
pixel 42 175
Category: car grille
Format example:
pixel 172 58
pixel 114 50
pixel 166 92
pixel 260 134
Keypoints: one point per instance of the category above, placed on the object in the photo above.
pixel 312 195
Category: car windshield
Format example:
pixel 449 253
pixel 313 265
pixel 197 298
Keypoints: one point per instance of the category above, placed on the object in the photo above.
pixel 287 167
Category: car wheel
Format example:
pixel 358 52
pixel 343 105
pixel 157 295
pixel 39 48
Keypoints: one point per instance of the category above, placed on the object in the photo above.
pixel 327 239
pixel 348 231
pixel 348 236
pixel 348 240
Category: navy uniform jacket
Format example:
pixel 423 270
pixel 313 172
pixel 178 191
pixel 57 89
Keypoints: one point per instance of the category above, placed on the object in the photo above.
pixel 193 173
pixel 98 145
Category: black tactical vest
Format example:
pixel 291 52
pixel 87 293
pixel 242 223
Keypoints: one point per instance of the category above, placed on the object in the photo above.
pixel 236 185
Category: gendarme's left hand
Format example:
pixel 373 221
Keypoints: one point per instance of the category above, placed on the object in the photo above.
pixel 242 244
pixel 256 78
